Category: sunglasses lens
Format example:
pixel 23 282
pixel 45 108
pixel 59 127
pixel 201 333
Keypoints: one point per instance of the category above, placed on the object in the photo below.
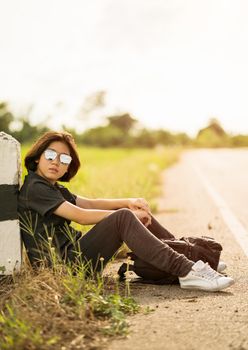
pixel 50 154
pixel 65 159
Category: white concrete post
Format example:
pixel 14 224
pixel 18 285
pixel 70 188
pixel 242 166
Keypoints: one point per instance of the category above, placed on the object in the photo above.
pixel 10 178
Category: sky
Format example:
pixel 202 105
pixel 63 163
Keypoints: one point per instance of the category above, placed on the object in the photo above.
pixel 171 64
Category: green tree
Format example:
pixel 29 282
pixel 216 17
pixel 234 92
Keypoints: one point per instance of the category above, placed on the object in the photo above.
pixel 123 122
pixel 212 135
pixel 6 117
pixel 28 132
pixel 103 136
pixel 239 140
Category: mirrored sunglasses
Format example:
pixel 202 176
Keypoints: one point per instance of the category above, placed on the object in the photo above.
pixel 50 154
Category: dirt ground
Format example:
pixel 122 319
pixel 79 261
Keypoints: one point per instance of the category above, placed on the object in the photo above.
pixel 182 319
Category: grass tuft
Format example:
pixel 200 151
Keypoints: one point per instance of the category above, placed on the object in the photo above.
pixel 48 310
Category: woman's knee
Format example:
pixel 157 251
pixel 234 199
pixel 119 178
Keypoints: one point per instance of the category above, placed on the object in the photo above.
pixel 124 212
pixel 124 216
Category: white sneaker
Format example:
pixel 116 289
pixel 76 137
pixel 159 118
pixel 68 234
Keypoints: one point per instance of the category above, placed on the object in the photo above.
pixel 221 266
pixel 203 277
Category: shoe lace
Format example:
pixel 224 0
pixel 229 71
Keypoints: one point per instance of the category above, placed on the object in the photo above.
pixel 208 272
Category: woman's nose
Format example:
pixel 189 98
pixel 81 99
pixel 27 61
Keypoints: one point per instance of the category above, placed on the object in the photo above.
pixel 56 160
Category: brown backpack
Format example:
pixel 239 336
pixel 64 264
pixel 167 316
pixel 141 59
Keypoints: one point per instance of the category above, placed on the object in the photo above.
pixel 194 248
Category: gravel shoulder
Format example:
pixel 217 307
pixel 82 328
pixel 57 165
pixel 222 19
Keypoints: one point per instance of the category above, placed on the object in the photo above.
pixel 184 319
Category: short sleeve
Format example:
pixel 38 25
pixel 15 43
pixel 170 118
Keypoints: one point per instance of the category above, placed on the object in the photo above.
pixel 44 198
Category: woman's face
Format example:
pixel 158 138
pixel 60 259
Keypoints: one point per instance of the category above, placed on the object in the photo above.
pixel 53 163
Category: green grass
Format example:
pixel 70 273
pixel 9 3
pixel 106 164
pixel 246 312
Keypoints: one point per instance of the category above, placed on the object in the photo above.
pixel 51 308
pixel 60 308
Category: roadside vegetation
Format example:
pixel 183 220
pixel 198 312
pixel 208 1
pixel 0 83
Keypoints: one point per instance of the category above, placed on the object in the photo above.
pixel 122 131
pixel 61 308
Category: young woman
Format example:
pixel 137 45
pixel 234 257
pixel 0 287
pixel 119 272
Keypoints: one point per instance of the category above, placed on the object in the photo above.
pixel 46 209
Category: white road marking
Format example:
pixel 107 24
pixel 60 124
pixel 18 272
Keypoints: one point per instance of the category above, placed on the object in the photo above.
pixel 234 225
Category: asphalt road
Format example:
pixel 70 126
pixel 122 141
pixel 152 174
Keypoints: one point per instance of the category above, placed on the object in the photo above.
pixel 206 193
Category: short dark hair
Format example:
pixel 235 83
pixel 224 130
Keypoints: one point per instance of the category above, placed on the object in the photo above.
pixel 43 143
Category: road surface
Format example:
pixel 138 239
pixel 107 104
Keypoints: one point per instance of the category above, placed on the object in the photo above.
pixel 206 193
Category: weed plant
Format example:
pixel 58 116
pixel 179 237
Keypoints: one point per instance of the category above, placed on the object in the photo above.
pixel 60 306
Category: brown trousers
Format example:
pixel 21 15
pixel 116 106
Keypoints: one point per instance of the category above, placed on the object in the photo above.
pixel 106 237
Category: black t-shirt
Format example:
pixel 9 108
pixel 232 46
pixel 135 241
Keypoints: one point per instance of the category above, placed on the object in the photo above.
pixel 40 228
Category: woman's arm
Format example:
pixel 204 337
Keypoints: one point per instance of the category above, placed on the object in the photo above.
pixel 82 216
pixel 101 203
pixel 112 204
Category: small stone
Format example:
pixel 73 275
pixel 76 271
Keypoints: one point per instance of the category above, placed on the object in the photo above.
pixel 210 226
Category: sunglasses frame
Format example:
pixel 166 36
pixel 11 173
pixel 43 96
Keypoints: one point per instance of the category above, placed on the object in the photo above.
pixel 64 158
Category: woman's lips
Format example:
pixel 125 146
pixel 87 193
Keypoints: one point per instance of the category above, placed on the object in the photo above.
pixel 53 170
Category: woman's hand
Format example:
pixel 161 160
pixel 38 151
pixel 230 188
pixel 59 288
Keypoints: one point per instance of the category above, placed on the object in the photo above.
pixel 138 204
pixel 143 216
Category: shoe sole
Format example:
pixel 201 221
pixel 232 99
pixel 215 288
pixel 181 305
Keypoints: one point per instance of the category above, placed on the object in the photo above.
pixel 221 270
pixel 217 289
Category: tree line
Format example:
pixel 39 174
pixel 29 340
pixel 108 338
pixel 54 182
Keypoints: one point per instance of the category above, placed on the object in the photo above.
pixel 123 131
